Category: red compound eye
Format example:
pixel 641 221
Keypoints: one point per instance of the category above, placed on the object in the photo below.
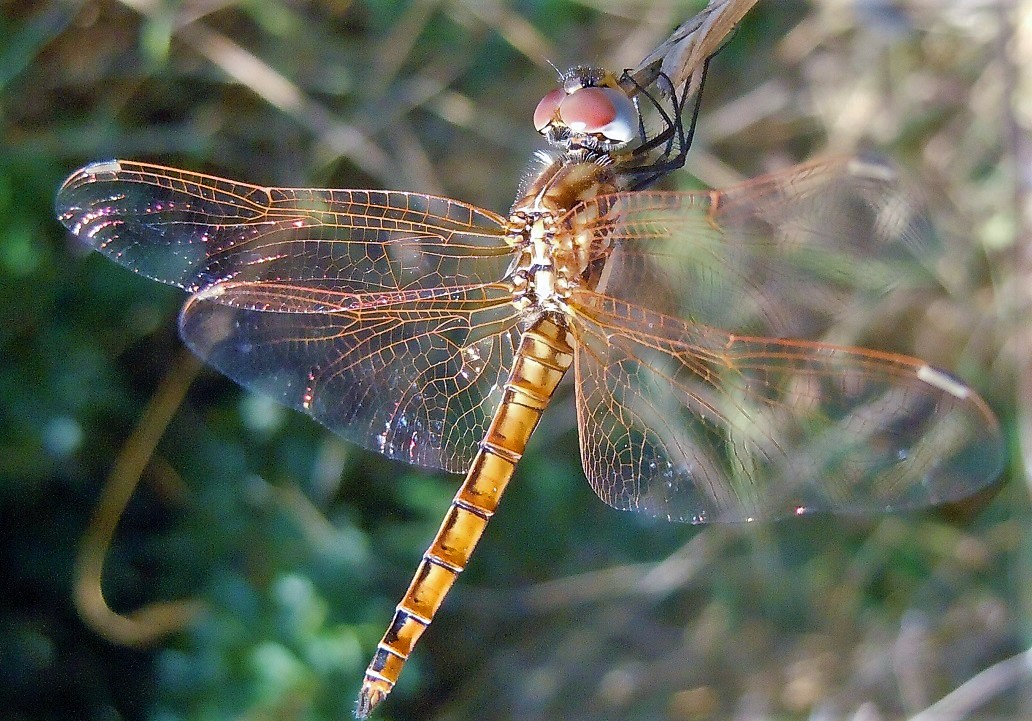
pixel 599 111
pixel 546 109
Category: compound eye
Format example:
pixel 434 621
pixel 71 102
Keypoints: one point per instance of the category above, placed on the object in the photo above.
pixel 599 111
pixel 546 110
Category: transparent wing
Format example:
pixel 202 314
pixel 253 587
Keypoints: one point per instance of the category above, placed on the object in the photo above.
pixel 696 398
pixel 693 423
pixel 194 230
pixel 415 377
pixel 383 315
pixel 796 254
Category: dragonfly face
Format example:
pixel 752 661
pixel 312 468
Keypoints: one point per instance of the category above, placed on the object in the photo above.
pixel 715 337
pixel 589 113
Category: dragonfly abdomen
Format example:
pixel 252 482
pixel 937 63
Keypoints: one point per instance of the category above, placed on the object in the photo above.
pixel 542 359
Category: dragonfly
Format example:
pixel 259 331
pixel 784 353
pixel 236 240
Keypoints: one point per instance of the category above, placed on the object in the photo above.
pixel 715 337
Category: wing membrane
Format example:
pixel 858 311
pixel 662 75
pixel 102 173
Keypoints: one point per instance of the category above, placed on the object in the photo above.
pixel 381 314
pixel 697 401
pixel 195 230
pixel 416 379
pixel 789 255
pixel 696 424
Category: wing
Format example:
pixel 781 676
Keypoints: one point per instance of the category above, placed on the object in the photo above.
pixel 789 255
pixel 693 423
pixel 415 377
pixel 696 399
pixel 194 230
pixel 383 315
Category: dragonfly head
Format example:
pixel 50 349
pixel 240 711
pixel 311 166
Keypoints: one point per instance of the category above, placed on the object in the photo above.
pixel 587 112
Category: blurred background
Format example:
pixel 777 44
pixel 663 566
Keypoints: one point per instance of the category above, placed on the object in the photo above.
pixel 262 556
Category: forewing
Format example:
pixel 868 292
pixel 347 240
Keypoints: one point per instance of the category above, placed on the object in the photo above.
pixel 195 230
pixel 383 315
pixel 790 255
pixel 693 423
pixel 697 398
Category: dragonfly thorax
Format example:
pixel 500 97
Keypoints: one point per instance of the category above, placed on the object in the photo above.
pixel 542 274
pixel 557 255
